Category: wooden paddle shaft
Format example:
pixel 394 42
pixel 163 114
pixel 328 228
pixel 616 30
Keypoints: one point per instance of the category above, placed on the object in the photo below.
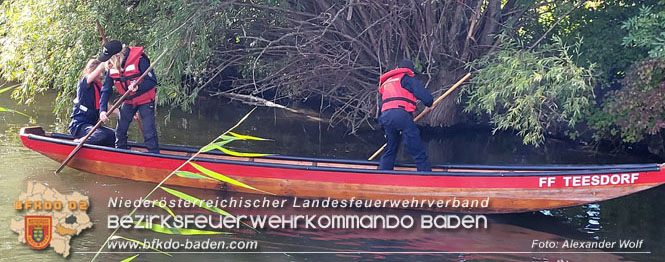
pixel 85 138
pixel 100 122
pixel 438 100
pixel 101 32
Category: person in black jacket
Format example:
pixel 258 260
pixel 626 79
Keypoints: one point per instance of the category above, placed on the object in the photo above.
pixel 399 93
pixel 86 107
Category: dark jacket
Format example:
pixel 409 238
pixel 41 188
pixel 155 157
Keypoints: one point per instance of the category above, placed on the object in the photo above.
pixel 417 89
pixel 85 105
pixel 148 83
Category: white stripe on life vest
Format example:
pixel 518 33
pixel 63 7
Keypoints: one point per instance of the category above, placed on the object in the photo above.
pixel 83 108
pixel 113 71
pixel 391 80
pixel 130 68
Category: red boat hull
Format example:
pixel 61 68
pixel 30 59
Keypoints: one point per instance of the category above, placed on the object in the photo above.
pixel 508 189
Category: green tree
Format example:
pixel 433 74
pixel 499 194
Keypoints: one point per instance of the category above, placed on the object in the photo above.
pixel 44 44
pixel 325 49
pixel 532 92
pixel 637 109
pixel 646 30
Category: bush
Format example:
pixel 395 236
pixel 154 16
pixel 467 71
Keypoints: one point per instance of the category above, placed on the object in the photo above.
pixel 639 107
pixel 532 92
pixel 646 30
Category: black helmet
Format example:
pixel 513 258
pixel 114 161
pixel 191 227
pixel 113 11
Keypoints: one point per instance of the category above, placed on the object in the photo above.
pixel 111 48
pixel 407 64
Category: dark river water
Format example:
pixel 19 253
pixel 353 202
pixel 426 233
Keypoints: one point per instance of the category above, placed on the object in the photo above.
pixel 508 237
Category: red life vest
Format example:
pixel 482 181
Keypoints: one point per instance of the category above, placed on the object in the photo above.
pixel 97 85
pixel 130 73
pixel 393 94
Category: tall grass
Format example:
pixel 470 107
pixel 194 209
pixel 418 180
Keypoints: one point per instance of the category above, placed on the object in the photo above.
pixel 216 144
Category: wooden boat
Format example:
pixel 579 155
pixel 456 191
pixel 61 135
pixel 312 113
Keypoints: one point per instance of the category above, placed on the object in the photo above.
pixel 504 189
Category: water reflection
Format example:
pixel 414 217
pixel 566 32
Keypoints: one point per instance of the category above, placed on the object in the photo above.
pixel 632 217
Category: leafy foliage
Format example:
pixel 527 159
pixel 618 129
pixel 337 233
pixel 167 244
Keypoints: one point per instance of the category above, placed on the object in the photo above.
pixel 639 108
pixel 531 92
pixel 598 23
pixel 224 178
pixel 2 109
pixel 335 50
pixel 44 44
pixel 646 30
pixel 199 202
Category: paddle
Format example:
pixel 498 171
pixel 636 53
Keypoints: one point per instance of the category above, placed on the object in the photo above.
pixel 99 123
pixel 104 40
pixel 450 90
pixel 101 31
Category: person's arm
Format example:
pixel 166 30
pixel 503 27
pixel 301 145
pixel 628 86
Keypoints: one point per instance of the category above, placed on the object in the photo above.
pixel 104 96
pixel 95 73
pixel 150 80
pixel 83 83
pixel 418 90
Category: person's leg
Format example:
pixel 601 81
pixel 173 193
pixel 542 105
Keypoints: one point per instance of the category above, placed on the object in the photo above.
pixel 97 137
pixel 415 146
pixel 126 114
pixel 77 130
pixel 80 130
pixel 103 136
pixel 107 136
pixel 393 138
pixel 147 112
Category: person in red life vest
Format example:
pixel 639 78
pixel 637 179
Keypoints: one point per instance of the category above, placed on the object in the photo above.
pixel 125 65
pixel 86 107
pixel 399 92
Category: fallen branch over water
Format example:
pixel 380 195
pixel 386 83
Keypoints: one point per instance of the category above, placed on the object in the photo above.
pixel 257 101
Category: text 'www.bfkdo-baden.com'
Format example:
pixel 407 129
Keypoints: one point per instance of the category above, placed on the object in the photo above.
pixel 183 245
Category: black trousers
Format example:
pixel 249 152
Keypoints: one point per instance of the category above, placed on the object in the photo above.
pixel 398 124
pixel 147 114
pixel 103 136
